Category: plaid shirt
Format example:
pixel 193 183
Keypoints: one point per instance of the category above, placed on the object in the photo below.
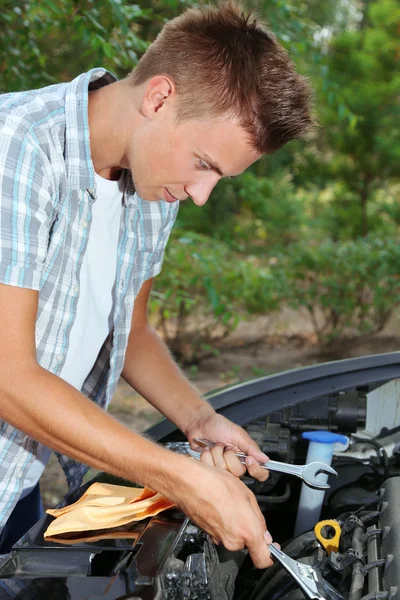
pixel 47 190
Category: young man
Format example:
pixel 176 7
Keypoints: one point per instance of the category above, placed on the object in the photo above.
pixel 79 249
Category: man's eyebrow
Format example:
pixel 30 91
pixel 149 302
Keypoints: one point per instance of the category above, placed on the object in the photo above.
pixel 211 163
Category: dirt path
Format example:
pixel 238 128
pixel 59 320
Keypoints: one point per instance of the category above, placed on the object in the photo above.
pixel 240 358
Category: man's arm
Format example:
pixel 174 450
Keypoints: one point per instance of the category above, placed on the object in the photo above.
pixel 150 370
pixel 56 414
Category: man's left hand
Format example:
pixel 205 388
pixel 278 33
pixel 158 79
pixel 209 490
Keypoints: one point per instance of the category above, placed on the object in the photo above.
pixel 229 439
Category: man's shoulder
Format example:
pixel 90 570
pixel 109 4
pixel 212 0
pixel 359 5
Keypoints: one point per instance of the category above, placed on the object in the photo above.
pixel 30 113
pixel 33 123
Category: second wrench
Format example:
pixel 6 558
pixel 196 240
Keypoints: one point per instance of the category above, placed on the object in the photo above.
pixel 308 473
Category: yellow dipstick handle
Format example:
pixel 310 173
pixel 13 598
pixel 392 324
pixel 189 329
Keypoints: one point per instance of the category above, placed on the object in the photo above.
pixel 328 534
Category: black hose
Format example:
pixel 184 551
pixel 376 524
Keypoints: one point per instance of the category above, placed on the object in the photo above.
pixel 380 452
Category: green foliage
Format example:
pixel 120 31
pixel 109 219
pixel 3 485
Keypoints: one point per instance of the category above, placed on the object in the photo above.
pixel 280 232
pixel 203 290
pixel 250 213
pixel 274 213
pixel 349 288
pixel 331 186
pixel 46 41
pixel 360 111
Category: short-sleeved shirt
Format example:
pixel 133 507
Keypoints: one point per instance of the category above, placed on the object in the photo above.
pixel 47 190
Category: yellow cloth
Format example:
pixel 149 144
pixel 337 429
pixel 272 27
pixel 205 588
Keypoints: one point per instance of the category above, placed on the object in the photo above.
pixel 105 511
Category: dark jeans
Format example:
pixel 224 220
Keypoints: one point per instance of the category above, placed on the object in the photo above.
pixel 25 514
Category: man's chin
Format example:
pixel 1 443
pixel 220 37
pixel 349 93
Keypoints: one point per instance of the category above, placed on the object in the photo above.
pixel 150 194
pixel 145 194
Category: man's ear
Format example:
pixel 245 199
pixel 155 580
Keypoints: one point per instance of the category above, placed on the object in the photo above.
pixel 158 90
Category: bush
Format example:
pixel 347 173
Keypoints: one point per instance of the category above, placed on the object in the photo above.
pixel 203 291
pixel 250 213
pixel 349 288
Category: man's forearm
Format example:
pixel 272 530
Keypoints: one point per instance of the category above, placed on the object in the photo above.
pixel 56 414
pixel 150 369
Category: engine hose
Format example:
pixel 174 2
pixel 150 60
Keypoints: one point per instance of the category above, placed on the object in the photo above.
pixel 376 596
pixel 357 579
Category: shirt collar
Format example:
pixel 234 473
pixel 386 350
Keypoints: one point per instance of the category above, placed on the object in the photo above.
pixel 80 170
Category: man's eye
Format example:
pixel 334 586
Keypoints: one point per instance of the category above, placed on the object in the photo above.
pixel 203 166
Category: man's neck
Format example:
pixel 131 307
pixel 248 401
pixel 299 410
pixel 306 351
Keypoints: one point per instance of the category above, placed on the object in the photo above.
pixel 111 173
pixel 111 115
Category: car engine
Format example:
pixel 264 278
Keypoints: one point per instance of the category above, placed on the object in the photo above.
pixel 363 503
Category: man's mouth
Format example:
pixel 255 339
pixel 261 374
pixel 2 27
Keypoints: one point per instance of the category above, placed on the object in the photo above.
pixel 169 197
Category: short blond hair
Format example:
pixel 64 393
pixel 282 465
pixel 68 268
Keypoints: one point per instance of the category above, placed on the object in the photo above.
pixel 223 62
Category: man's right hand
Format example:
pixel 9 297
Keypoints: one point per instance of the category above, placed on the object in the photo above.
pixel 223 506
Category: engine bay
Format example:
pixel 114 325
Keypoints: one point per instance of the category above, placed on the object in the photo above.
pixel 361 509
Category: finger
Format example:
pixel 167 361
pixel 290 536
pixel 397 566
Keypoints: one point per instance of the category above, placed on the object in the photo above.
pixel 233 463
pixel 276 545
pixel 268 537
pixel 255 470
pixel 259 552
pixel 217 453
pixel 252 449
pixel 206 457
pixel 249 446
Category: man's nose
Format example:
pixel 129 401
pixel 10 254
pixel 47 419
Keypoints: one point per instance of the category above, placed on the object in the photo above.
pixel 200 192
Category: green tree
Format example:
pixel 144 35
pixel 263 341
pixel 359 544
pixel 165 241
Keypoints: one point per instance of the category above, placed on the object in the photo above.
pixel 358 149
pixel 45 41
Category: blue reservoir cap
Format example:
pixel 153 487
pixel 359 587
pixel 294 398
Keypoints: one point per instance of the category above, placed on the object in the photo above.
pixel 325 437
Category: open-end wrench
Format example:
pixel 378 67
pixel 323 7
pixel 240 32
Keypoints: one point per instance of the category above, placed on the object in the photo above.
pixel 308 473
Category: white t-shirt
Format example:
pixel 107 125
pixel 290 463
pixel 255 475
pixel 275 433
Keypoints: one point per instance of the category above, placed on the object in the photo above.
pixel 93 320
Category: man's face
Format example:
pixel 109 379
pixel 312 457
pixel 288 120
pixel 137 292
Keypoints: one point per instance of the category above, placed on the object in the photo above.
pixel 175 162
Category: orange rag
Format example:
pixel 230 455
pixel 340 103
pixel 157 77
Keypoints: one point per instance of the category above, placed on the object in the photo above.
pixel 105 511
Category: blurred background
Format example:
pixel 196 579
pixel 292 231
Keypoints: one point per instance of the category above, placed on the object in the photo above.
pixel 295 262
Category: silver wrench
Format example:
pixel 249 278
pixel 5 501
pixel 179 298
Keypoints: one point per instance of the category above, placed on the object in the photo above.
pixel 313 585
pixel 308 473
